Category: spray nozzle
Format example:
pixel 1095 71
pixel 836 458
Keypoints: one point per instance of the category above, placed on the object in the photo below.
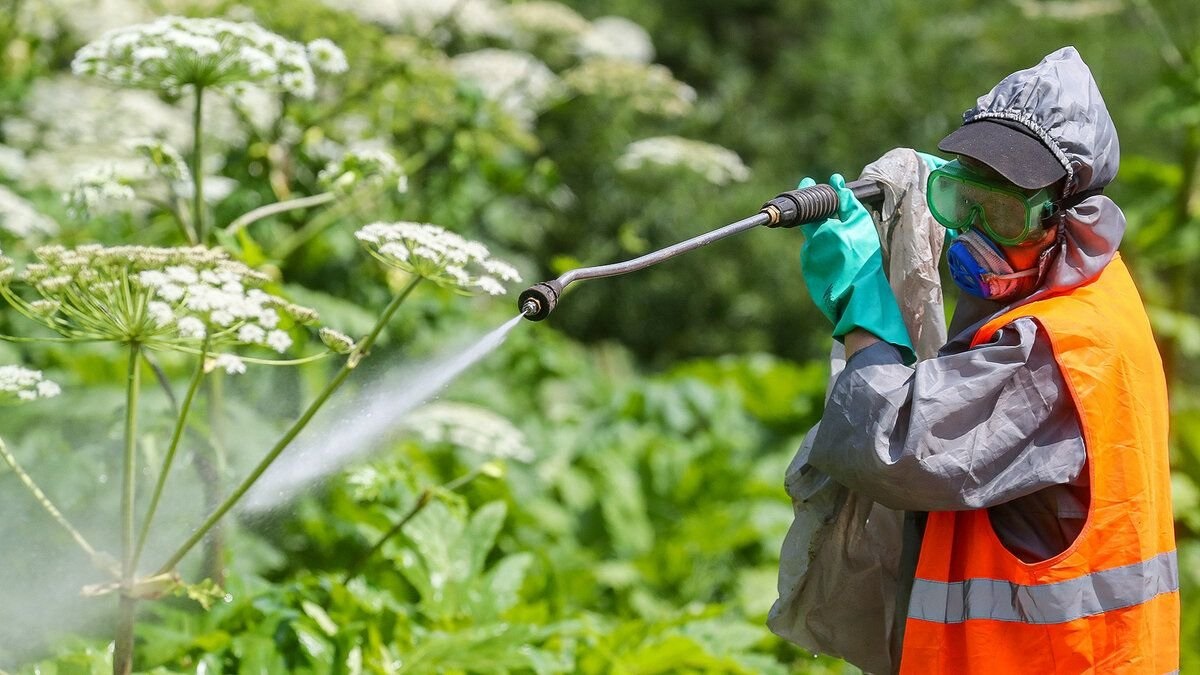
pixel 537 301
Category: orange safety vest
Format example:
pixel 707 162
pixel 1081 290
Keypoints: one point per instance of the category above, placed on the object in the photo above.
pixel 1109 603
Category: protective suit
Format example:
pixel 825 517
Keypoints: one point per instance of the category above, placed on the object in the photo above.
pixel 998 440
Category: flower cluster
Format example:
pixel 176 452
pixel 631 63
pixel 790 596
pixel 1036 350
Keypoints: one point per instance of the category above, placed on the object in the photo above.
pixel 717 165
pixel 65 126
pixel 20 218
pixel 614 37
pixel 76 20
pixel 171 53
pixel 12 162
pixel 327 57
pixel 166 160
pixel 105 187
pixel 363 167
pixel 99 189
pixel 469 427
pixel 337 341
pixel 517 81
pixel 649 89
pixel 433 253
pixel 432 18
pixel 165 298
pixel 539 19
pixel 22 384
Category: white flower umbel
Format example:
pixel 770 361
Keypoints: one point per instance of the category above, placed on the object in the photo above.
pixel 166 160
pixel 18 383
pixel 441 256
pixel 615 37
pixel 517 81
pixel 327 57
pixel 172 52
pixel 432 19
pixel 649 89
pixel 12 162
pixel 470 427
pixel 716 164
pixel 541 20
pixel 156 171
pixel 361 167
pixel 161 298
pixel 100 189
pixel 21 219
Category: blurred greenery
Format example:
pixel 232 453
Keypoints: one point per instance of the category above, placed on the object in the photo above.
pixel 660 409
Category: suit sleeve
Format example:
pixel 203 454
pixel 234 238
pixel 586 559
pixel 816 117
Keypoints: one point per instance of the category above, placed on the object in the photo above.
pixel 967 430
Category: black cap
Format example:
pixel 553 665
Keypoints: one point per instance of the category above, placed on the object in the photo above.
pixel 1009 148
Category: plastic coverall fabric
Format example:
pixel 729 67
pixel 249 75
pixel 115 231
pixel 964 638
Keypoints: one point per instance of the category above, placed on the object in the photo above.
pixel 840 559
pixel 840 566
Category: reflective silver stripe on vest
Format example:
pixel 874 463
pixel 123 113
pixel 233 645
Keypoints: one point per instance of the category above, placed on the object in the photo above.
pixel 1058 602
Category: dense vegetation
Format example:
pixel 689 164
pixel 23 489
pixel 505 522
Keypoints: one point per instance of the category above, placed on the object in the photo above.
pixel 601 494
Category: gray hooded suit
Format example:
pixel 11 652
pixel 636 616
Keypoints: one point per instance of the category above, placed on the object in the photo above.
pixel 990 427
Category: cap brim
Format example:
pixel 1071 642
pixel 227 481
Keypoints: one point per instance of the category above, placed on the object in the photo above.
pixel 1021 158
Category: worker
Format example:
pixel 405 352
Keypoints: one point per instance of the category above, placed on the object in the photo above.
pixel 1030 455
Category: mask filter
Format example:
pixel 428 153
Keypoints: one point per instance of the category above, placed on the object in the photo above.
pixel 979 268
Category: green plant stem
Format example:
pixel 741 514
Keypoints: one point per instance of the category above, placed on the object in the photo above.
pixel 176 435
pixel 129 461
pixel 315 227
pixel 42 499
pixel 198 166
pixel 261 212
pixel 352 361
pixel 208 468
pixel 123 648
pixel 423 500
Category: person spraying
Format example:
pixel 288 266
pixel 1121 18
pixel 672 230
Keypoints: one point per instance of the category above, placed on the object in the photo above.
pixel 1030 454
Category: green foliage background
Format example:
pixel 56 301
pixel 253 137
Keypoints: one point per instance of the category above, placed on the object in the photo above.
pixel 662 407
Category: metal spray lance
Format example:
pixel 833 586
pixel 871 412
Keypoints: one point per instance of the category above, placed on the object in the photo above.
pixel 789 209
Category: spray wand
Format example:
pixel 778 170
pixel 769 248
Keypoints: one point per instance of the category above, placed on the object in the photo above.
pixel 789 209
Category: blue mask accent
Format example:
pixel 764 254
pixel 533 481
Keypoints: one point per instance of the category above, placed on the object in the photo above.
pixel 965 270
pixel 978 266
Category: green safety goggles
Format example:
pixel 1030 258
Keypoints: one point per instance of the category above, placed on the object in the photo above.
pixel 960 199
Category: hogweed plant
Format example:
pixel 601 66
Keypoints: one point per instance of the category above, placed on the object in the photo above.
pixel 196 300
pixel 199 302
pixel 176 55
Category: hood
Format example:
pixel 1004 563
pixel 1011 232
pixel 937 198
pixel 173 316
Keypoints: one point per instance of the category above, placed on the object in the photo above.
pixel 1059 102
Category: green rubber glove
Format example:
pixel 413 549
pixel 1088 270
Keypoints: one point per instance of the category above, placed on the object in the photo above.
pixel 932 161
pixel 843 267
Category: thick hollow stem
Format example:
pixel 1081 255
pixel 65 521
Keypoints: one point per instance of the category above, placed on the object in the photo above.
pixel 351 361
pixel 176 435
pixel 198 166
pixel 129 463
pixel 123 649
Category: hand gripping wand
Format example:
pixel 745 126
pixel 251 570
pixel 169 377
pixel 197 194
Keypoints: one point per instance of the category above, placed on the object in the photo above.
pixel 789 209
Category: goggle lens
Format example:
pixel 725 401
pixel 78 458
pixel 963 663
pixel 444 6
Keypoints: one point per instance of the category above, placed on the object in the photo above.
pixel 960 200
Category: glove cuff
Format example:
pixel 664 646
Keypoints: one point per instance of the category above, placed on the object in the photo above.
pixel 872 307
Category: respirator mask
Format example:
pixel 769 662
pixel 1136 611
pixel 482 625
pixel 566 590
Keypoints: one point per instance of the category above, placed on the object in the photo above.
pixel 985 214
